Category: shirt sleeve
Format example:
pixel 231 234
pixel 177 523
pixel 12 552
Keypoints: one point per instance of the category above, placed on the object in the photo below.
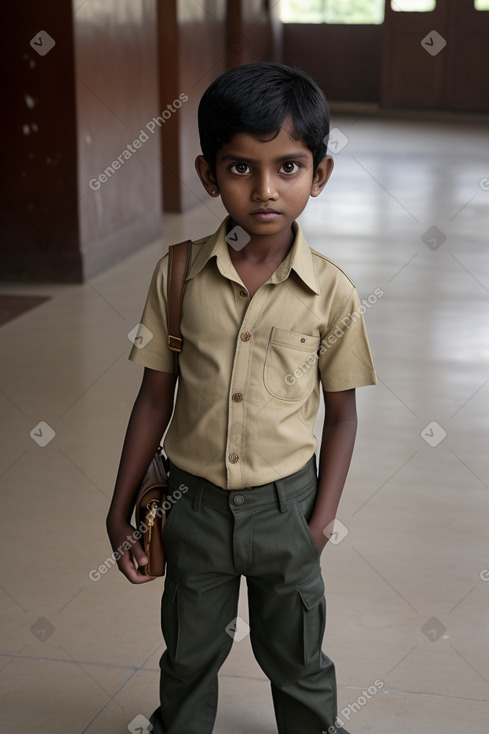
pixel 345 360
pixel 150 337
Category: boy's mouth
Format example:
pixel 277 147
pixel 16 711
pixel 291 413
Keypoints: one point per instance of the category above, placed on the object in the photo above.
pixel 265 215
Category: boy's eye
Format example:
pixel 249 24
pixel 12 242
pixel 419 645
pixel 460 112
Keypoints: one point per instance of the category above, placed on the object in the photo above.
pixel 240 168
pixel 289 167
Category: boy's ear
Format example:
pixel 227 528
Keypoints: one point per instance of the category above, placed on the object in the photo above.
pixel 323 172
pixel 205 174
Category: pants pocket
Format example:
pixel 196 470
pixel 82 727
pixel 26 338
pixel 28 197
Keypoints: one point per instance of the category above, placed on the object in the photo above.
pixel 303 507
pixel 169 616
pixel 313 616
pixel 173 504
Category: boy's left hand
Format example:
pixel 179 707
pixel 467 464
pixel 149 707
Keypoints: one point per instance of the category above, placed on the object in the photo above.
pixel 320 538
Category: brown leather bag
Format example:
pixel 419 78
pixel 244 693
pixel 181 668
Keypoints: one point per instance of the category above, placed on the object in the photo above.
pixel 151 498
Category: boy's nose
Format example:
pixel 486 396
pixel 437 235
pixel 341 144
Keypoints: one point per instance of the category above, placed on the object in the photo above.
pixel 265 188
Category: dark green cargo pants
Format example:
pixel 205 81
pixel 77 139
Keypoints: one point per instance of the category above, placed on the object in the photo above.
pixel 212 537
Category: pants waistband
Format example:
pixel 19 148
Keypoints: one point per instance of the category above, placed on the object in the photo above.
pixel 201 490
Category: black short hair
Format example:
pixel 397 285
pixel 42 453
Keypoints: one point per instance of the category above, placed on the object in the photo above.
pixel 256 98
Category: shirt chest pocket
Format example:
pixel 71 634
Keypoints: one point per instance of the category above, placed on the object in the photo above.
pixel 291 369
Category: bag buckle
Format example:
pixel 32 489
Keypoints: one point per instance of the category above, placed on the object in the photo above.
pixel 174 343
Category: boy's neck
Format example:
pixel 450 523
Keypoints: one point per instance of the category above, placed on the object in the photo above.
pixel 264 249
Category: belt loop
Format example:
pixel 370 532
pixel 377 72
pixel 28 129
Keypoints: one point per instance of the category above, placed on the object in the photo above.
pixel 281 495
pixel 197 501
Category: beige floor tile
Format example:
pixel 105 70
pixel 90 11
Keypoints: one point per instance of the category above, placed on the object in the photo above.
pixel 405 713
pixel 47 696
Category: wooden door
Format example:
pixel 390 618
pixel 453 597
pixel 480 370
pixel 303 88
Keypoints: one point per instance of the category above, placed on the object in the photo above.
pixel 467 62
pixel 437 59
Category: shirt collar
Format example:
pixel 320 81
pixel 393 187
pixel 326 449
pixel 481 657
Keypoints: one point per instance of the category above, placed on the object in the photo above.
pixel 299 258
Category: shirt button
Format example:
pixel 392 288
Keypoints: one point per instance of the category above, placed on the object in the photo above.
pixel 245 336
pixel 237 397
pixel 243 293
pixel 238 499
pixel 233 458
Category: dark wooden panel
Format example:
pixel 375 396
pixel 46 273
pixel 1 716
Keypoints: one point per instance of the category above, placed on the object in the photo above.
pixel 261 30
pixel 38 210
pixel 467 58
pixel 12 306
pixel 202 57
pixel 199 41
pixel 66 123
pixel 413 77
pixel 344 60
pixel 192 55
pixel 117 100
pixel 451 71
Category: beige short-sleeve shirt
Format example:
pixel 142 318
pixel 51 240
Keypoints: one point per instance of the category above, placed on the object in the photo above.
pixel 251 369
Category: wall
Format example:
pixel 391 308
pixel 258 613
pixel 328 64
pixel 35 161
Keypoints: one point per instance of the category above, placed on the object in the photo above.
pixel 206 37
pixel 68 114
pixel 97 122
pixel 437 60
pixel 344 60
pixel 388 65
pixel 117 99
pixel 39 216
pixel 261 31
pixel 192 55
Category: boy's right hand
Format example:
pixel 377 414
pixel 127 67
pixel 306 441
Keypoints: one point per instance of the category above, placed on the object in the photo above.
pixel 130 562
pixel 149 418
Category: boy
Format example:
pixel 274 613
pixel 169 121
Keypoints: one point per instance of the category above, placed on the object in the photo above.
pixel 265 322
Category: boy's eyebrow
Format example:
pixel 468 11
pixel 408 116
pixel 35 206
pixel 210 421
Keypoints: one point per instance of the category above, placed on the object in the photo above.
pixel 231 157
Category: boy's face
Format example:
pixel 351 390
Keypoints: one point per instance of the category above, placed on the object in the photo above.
pixel 264 186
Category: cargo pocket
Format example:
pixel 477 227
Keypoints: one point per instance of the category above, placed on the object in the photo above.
pixel 314 616
pixel 169 617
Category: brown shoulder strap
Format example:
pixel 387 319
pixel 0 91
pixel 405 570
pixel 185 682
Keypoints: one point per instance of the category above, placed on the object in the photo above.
pixel 179 258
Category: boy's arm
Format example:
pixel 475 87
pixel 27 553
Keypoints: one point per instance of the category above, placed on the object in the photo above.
pixel 149 418
pixel 340 426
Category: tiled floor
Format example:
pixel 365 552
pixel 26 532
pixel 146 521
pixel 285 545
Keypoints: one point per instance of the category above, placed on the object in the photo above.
pixel 407 588
pixel 13 306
